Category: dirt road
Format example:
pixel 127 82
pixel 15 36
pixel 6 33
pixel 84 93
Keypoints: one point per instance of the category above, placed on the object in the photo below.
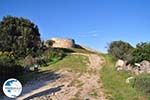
pixel 70 86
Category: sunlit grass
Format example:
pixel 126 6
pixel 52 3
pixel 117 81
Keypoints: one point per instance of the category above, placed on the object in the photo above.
pixel 77 63
pixel 114 83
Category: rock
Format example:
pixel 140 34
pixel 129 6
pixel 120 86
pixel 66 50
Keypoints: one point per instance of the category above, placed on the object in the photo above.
pixel 145 67
pixel 129 79
pixel 137 64
pixel 135 71
pixel 119 68
pixel 128 67
pixel 142 67
pixel 120 64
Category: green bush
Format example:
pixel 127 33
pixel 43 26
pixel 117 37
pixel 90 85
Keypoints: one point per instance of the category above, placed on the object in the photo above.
pixel 142 83
pixel 120 50
pixel 52 55
pixel 19 35
pixel 9 67
pixel 142 52
pixel 6 57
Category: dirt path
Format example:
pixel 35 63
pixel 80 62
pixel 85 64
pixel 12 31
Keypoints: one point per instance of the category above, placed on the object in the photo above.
pixel 66 85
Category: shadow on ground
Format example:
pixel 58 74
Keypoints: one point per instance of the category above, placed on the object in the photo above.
pixel 46 92
pixel 39 80
pixel 36 81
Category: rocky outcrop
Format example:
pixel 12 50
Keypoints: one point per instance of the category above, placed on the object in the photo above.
pixel 62 43
pixel 138 68
pixel 145 66
pixel 122 65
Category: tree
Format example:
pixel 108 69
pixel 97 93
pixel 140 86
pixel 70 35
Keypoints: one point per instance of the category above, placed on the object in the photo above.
pixel 142 52
pixel 19 35
pixel 120 50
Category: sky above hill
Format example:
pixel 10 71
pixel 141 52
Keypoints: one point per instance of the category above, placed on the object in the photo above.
pixel 93 23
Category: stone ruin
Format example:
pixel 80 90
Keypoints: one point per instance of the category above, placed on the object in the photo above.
pixel 62 43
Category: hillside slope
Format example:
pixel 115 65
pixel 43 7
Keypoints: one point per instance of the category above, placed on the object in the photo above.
pixel 81 75
pixel 76 77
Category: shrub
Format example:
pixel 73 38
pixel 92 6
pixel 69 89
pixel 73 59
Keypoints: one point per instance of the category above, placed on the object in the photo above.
pixel 142 52
pixel 19 35
pixel 142 83
pixel 120 50
pixel 52 55
pixel 8 67
pixel 6 57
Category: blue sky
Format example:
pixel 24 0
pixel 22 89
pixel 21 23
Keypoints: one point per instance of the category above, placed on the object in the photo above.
pixel 93 23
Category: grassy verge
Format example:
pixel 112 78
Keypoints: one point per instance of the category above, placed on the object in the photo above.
pixel 75 63
pixel 114 83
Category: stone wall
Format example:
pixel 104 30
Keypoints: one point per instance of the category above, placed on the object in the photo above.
pixel 63 43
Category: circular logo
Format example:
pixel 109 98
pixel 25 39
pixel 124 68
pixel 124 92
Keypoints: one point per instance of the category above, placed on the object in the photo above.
pixel 12 88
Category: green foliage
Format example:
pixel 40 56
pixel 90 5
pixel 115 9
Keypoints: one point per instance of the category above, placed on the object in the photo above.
pixel 142 52
pixel 18 35
pixel 6 57
pixel 8 67
pixel 52 55
pixel 114 82
pixel 120 50
pixel 142 83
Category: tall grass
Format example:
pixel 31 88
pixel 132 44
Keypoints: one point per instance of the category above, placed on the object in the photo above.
pixel 114 83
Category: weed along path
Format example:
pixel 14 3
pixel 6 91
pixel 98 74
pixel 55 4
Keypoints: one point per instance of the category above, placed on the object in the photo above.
pixel 68 84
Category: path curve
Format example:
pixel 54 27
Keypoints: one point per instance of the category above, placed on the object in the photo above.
pixel 88 86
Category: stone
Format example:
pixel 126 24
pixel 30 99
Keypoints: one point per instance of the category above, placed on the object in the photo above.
pixel 138 68
pixel 120 64
pixel 129 79
pixel 145 66
pixel 128 67
pixel 135 71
